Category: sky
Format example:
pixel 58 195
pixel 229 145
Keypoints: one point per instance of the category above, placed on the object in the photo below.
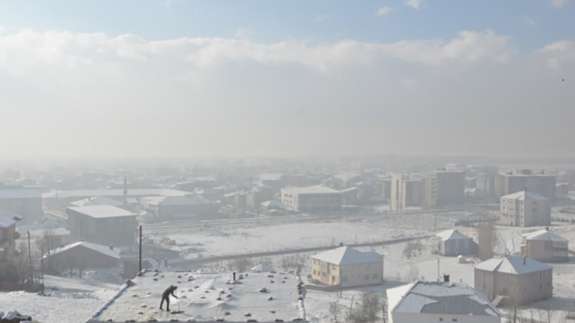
pixel 186 78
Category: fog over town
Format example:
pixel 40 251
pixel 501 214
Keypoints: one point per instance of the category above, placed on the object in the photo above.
pixel 394 161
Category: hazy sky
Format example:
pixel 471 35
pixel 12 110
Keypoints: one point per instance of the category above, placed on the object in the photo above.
pixel 129 78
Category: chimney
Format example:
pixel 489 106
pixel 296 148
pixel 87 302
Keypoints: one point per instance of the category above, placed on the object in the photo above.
pixel 446 278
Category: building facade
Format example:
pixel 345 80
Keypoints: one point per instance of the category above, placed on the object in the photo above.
pixel 346 267
pixel 453 243
pixel 311 199
pixel 103 224
pixel 524 209
pixel 445 189
pixel 537 182
pixel 546 246
pixel 406 191
pixel 514 280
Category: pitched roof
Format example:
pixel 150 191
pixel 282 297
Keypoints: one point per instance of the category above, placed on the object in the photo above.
pixel 543 235
pixel 439 298
pixel 346 256
pixel 513 265
pixel 105 250
pixel 452 235
pixel 102 211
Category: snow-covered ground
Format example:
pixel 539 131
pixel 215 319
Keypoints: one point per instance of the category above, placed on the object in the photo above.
pixel 66 301
pixel 233 240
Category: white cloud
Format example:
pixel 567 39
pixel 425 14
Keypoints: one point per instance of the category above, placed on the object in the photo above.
pixel 560 3
pixel 384 11
pixel 415 4
pixel 122 95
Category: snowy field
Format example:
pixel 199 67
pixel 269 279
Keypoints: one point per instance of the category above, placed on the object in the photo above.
pixel 66 301
pixel 241 239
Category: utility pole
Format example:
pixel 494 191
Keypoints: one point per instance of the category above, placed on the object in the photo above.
pixel 31 281
pixel 140 251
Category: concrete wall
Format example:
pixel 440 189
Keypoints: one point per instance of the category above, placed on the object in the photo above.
pixel 348 275
pixel 116 231
pixel 546 250
pixel 519 289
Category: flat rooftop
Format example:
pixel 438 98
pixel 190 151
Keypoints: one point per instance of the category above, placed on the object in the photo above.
pixel 132 192
pixel 206 298
pixel 102 211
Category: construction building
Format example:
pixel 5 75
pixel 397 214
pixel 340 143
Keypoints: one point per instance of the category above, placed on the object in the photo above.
pixel 544 245
pixel 538 182
pixel 406 191
pixel 346 267
pixel 514 280
pixel 103 224
pixel 525 209
pixel 426 302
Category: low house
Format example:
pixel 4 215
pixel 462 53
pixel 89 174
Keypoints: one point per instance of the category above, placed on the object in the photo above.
pixel 346 267
pixel 103 224
pixel 545 245
pixel 180 206
pixel 423 302
pixel 82 255
pixel 454 243
pixel 514 280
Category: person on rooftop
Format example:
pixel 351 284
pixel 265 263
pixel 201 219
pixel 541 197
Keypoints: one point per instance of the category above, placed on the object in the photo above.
pixel 166 297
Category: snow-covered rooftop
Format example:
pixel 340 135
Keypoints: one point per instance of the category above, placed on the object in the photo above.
pixel 439 298
pixel 522 195
pixel 316 189
pixel 543 235
pixel 96 200
pixel 140 192
pixel 206 298
pixel 177 200
pixel 105 250
pixel 347 256
pixel 451 234
pixel 102 211
pixel 513 265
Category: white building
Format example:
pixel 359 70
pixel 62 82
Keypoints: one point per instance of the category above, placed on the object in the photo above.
pixel 545 245
pixel 346 267
pixel 525 209
pixel 311 199
pixel 423 302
